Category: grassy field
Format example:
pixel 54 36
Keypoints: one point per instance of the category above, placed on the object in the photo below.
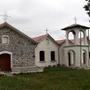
pixel 56 78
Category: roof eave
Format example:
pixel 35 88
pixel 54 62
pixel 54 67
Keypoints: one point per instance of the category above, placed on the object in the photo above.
pixel 77 26
pixel 8 25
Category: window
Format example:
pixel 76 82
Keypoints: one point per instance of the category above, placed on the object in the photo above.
pixel 42 55
pixel 84 58
pixel 5 39
pixel 52 55
pixel 89 55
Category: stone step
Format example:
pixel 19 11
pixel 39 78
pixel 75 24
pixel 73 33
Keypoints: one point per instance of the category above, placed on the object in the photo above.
pixel 6 73
pixel 18 70
pixel 30 69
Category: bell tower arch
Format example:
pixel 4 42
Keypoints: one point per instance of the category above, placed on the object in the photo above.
pixel 78 31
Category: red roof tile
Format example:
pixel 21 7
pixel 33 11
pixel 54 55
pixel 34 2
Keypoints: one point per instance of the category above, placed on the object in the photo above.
pixel 40 38
pixel 60 42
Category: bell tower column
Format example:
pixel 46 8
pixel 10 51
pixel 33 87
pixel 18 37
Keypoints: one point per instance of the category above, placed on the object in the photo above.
pixel 85 38
pixel 67 43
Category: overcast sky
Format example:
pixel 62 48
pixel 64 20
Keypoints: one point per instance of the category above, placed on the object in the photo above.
pixel 33 16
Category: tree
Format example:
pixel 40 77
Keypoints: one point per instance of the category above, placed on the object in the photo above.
pixel 87 7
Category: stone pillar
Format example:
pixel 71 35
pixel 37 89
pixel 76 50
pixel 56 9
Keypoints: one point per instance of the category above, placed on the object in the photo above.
pixel 76 37
pixel 72 57
pixel 85 38
pixel 67 43
pixel 66 57
pixel 87 58
pixel 77 58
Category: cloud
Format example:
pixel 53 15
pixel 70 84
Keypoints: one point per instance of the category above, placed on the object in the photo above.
pixel 8 5
pixel 33 16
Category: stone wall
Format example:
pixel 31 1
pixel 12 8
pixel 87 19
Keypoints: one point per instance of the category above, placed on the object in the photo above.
pixel 22 48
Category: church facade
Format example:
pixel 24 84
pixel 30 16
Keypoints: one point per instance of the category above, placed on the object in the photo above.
pixel 77 54
pixel 22 54
pixel 46 52
pixel 71 53
pixel 17 53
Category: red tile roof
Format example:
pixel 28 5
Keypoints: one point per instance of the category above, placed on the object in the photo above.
pixel 71 42
pixel 60 42
pixel 40 38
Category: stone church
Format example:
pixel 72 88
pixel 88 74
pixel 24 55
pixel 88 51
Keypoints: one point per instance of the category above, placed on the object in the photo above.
pixel 17 51
pixel 22 54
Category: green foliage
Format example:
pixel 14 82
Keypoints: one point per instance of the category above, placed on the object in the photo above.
pixel 53 78
pixel 87 7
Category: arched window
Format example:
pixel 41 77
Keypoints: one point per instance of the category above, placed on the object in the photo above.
pixel 5 39
pixel 89 54
pixel 42 55
pixel 52 55
pixel 71 58
pixel 84 53
pixel 81 37
pixel 71 35
pixel 81 34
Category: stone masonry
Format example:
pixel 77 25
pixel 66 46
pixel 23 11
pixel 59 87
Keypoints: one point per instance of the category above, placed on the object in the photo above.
pixel 21 47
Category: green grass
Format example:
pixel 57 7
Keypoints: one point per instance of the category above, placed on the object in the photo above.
pixel 55 78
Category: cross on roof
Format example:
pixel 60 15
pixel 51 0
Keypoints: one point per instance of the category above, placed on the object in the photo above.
pixel 46 31
pixel 75 19
pixel 5 16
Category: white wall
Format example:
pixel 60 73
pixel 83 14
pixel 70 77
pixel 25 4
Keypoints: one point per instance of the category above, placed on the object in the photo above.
pixel 61 54
pixel 78 58
pixel 46 45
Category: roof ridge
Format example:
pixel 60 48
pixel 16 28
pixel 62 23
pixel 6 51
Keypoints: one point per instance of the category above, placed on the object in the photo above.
pixel 40 35
pixel 16 30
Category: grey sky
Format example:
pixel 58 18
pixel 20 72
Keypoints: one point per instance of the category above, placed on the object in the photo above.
pixel 33 16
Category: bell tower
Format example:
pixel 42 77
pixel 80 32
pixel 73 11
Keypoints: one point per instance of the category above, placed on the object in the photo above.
pixel 79 34
pixel 76 50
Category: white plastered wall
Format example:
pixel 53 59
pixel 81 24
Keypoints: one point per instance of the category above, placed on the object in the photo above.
pixel 46 45
pixel 78 56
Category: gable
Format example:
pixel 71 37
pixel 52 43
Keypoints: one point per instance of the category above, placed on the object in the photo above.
pixel 38 39
pixel 8 26
pixel 47 43
pixel 41 38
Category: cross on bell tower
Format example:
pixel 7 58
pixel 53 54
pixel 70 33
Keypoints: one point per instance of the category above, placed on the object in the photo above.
pixel 76 30
pixel 75 19
pixel 76 52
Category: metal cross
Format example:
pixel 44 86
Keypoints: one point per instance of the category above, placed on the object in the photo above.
pixel 75 19
pixel 46 31
pixel 5 16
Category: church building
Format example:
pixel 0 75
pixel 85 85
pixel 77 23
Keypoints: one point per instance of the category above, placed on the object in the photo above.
pixel 76 54
pixel 22 54
pixel 46 52
pixel 17 51
pixel 66 52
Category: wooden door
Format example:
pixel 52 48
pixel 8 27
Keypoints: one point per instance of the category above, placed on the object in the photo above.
pixel 5 64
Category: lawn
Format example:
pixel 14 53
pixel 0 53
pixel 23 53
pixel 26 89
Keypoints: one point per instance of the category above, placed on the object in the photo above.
pixel 56 78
